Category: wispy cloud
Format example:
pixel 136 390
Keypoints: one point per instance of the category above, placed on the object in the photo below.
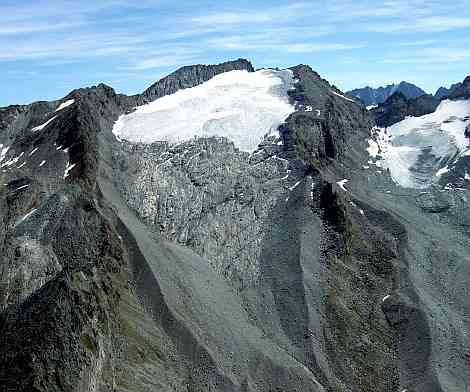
pixel 432 24
pixel 176 57
pixel 149 37
pixel 230 18
pixel 309 48
pixel 429 56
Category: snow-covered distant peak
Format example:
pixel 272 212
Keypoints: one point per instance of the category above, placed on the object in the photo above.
pixel 239 105
pixel 419 150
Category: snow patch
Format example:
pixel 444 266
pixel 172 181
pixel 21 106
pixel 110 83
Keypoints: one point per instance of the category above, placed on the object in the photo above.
pixel 287 175
pixel 68 168
pixel 295 185
pixel 42 126
pixel 385 298
pixel 442 171
pixel 28 215
pixel 12 161
pixel 3 152
pixel 342 183
pixel 373 148
pixel 42 163
pixel 242 106
pixel 413 150
pixel 32 152
pixel 22 187
pixel 370 107
pixel 342 96
pixel 65 104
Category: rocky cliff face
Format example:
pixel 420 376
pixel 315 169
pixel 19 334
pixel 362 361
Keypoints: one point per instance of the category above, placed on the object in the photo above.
pixel 444 92
pixel 398 107
pixel 462 91
pixel 200 267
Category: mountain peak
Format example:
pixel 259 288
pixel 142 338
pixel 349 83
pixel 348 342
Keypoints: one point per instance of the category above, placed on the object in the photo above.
pixel 374 96
pixel 192 75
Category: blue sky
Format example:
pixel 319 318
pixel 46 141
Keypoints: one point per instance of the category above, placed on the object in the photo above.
pixel 49 47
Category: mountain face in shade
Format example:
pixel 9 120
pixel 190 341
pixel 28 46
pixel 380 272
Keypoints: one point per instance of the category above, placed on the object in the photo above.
pixel 397 107
pixel 444 92
pixel 462 91
pixel 374 96
pixel 324 255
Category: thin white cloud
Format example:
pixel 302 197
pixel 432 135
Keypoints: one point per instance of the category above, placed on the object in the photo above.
pixel 320 47
pixel 432 24
pixel 34 27
pixel 429 56
pixel 424 42
pixel 160 62
pixel 228 18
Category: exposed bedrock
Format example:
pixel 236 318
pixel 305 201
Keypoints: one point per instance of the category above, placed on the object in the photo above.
pixel 199 267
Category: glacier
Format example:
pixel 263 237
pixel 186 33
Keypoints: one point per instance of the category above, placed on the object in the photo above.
pixel 418 150
pixel 241 106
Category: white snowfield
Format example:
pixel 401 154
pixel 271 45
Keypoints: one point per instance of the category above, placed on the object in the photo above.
pixel 241 106
pixel 419 150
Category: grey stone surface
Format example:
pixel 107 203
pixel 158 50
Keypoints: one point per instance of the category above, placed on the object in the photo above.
pixel 198 267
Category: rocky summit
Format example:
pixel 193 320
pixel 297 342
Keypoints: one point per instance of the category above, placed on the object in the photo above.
pixel 374 96
pixel 235 230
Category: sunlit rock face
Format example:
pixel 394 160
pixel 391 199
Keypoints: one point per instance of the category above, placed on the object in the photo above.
pixel 233 230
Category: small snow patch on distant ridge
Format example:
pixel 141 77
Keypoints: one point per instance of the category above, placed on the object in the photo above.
pixel 295 185
pixel 442 171
pixel 28 215
pixel 343 96
pixel 68 169
pixel 242 106
pixel 42 126
pixel 3 152
pixel 342 183
pixel 65 104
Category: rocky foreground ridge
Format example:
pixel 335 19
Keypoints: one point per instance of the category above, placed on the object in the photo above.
pixel 200 267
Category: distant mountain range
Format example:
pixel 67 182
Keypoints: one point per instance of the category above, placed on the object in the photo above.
pixel 374 96
pixel 444 92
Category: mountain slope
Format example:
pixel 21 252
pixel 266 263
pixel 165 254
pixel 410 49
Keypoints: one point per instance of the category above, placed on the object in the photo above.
pixel 444 92
pixel 397 107
pixel 197 266
pixel 375 96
